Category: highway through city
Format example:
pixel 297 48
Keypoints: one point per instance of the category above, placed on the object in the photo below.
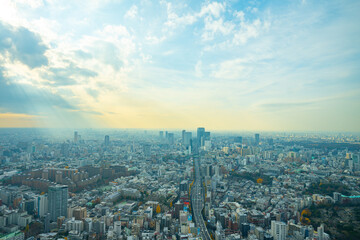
pixel 197 201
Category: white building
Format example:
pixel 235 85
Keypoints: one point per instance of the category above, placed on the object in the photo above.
pixel 278 230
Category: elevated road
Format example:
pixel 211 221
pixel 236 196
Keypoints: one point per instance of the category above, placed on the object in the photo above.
pixel 197 201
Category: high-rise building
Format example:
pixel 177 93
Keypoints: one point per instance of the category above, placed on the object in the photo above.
pixel 79 213
pixel 76 137
pixel 206 136
pixel 238 140
pixel 107 140
pixel 245 228
pixel 88 224
pixel 178 207
pixel 117 228
pixel 42 205
pixel 187 138
pixel 47 223
pixel 170 138
pixel 161 134
pixel 147 150
pixel 30 206
pixel 278 230
pixel 182 136
pixel 320 231
pixel 257 139
pixel 58 199
pixel 199 135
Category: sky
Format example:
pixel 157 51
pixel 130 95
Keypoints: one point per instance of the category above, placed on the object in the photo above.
pixel 225 65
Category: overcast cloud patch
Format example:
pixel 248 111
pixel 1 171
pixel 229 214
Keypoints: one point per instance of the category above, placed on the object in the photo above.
pixel 22 45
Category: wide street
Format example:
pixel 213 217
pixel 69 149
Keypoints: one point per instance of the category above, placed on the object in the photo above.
pixel 197 202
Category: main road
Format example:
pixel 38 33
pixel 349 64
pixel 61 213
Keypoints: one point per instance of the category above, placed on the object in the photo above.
pixel 197 201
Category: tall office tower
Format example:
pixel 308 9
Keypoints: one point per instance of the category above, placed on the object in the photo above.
pixel 182 136
pixel 257 139
pixel 161 134
pixel 147 150
pixel 356 161
pixel 47 223
pixel 206 136
pixel 76 137
pixel 206 139
pixel 117 228
pixel 245 228
pixel 57 198
pixel 278 230
pixel 107 140
pixel 64 149
pixel 238 139
pixel 320 231
pixel 178 207
pixel 42 205
pixel 187 138
pixel 170 138
pixel 200 134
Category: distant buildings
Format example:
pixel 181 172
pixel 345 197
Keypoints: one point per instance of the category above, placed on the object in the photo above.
pixel 257 139
pixel 76 136
pixel 107 140
pixel 104 186
pixel 200 135
pixel 187 139
pixel 170 138
pixel 203 138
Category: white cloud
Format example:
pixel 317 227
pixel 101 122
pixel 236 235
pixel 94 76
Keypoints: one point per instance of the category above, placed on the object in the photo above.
pixel 132 12
pixel 30 3
pixel 214 8
pixel 247 31
pixel 115 30
pixel 154 39
pixel 212 27
pixel 230 69
pixel 198 69
pixel 174 20
pixel 240 15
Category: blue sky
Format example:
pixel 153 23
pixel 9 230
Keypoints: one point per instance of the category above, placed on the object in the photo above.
pixel 242 65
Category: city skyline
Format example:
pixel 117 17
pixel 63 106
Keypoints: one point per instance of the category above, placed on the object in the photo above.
pixel 224 65
pixel 114 184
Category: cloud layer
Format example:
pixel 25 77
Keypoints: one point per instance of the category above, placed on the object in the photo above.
pixel 245 65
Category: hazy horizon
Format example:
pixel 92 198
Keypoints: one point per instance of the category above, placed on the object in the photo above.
pixel 267 66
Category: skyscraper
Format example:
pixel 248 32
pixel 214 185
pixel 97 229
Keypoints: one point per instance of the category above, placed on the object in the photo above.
pixel 187 138
pixel 320 231
pixel 183 136
pixel 238 139
pixel 107 140
pixel 257 139
pixel 42 205
pixel 147 150
pixel 200 134
pixel 58 198
pixel 76 137
pixel 278 230
pixel 170 138
pixel 206 136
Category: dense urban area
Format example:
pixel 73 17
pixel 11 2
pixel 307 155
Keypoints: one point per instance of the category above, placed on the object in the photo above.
pixel 173 184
